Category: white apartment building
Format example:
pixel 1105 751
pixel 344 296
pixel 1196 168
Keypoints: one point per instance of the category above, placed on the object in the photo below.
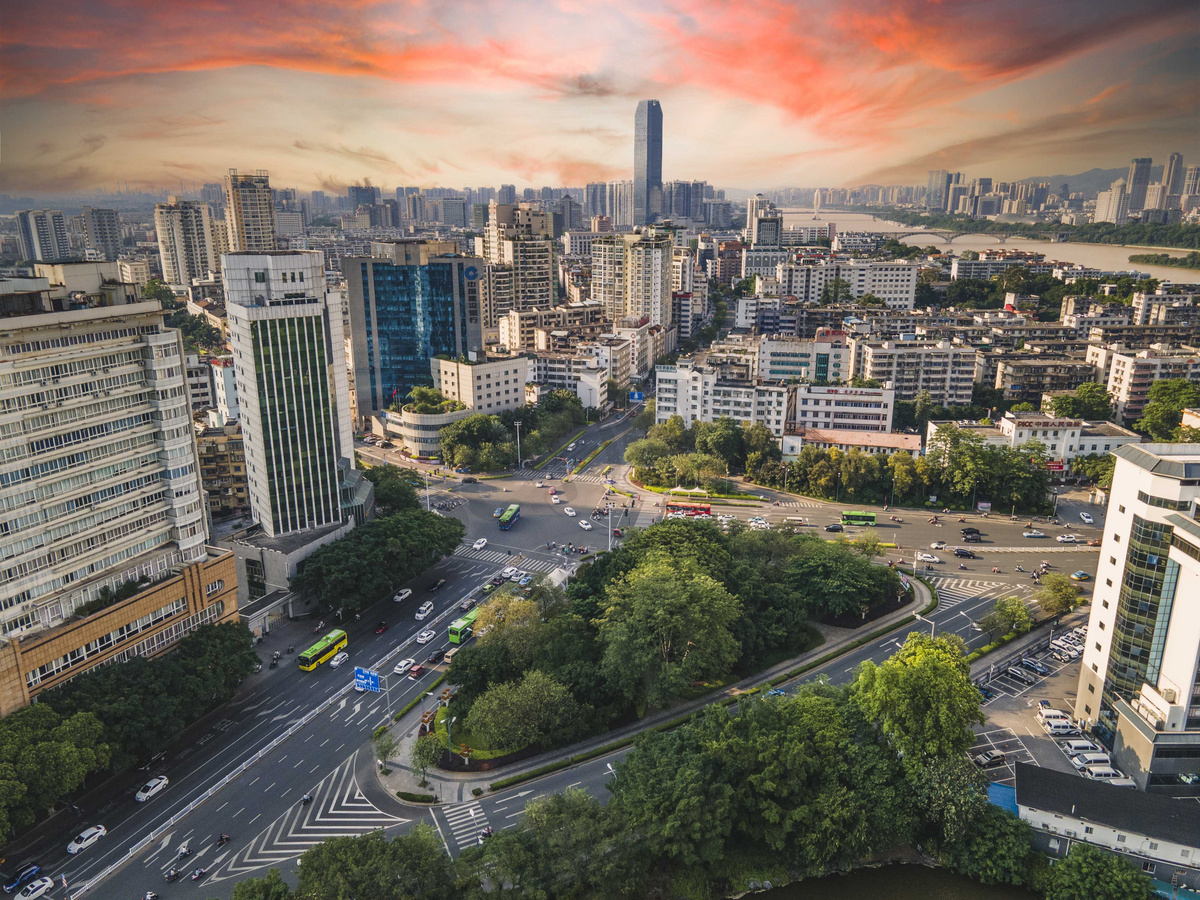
pixel 683 271
pixel 1131 375
pixel 648 342
pixel 199 382
pixel 225 388
pixel 631 276
pixel 1164 308
pixel 844 408
pixel 488 386
pixel 185 241
pixel 764 260
pixel 880 444
pixel 99 482
pixel 584 376
pixel 579 243
pixel 893 282
pixel 944 369
pixel 289 359
pixel 135 272
pixel 1138 684
pixel 615 355
pixel 689 312
pixel 519 327
pixel 701 394
pixel 825 358
pixel 249 212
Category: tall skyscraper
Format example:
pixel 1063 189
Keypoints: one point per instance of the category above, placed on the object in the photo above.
pixel 43 235
pixel 409 301
pixel 102 231
pixel 185 240
pixel 249 212
pixel 99 489
pixel 935 190
pixel 506 194
pixel 293 392
pixel 631 276
pixel 1191 181
pixel 647 161
pixel 1172 179
pixel 1139 682
pixel 213 194
pixel 1136 182
pixel 618 198
pixel 360 196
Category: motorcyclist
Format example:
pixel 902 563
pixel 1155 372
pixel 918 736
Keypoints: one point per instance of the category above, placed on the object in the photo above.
pixel 306 799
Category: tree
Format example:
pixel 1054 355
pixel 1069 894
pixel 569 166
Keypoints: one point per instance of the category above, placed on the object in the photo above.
pixel 867 544
pixel 836 580
pixel 384 746
pixel 45 756
pixel 644 420
pixel 412 866
pixel 1097 467
pixel 994 848
pixel 157 289
pixel 950 792
pixel 1090 401
pixel 1014 614
pixel 922 697
pixel 673 433
pixel 1057 594
pixel 511 619
pixel 1024 408
pixel 270 887
pixel 723 439
pixel 476 667
pixel 614 393
pixel 664 625
pixel 535 710
pixel 1164 408
pixel 430 401
pixel 425 754
pixel 395 488
pixel 1089 873
pixel 646 453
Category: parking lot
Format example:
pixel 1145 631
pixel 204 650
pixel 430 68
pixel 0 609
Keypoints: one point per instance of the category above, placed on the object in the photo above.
pixel 1012 726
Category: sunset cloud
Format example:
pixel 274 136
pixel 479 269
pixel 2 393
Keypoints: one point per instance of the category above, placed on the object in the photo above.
pixel 774 92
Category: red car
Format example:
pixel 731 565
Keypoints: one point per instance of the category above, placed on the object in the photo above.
pixel 381 628
pixel 617 532
pixel 416 672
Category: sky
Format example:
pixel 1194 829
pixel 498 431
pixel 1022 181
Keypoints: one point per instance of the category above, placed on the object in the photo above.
pixel 755 95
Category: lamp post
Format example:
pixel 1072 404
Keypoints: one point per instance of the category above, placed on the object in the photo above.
pixel 837 498
pixel 932 624
pixel 518 425
pixel 426 491
pixel 449 740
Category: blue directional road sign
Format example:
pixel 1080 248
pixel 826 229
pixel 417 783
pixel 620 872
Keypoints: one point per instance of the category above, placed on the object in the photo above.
pixel 366 679
pixel 636 396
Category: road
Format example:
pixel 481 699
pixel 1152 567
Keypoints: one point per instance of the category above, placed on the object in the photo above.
pixel 260 807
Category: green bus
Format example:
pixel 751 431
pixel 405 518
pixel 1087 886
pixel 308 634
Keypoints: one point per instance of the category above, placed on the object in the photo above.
pixel 858 518
pixel 460 629
pixel 509 516
pixel 323 649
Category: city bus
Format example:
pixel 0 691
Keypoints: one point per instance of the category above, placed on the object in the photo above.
pixel 858 518
pixel 509 516
pixel 460 629
pixel 323 649
pixel 688 509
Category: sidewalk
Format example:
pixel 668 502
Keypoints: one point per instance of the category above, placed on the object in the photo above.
pixel 452 787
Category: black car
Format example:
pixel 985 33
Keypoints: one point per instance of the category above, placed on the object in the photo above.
pixel 967 531
pixel 435 656
pixel 470 480
pixel 975 538
pixel 467 605
pixel 833 527
pixel 22 875
pixel 437 584
pixel 964 554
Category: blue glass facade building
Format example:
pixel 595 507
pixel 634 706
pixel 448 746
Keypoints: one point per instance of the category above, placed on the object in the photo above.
pixel 409 301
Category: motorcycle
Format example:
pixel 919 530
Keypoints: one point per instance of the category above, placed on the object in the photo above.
pixel 223 840
pixel 151 895
pixel 173 875
pixel 962 565
pixel 198 874
pixel 184 851
pixel 305 800
pixel 962 518
pixel 1020 569
pixel 274 664
pixel 319 628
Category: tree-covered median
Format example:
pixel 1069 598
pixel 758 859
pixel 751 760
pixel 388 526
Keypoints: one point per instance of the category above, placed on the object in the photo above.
pixel 779 787
pixel 677 610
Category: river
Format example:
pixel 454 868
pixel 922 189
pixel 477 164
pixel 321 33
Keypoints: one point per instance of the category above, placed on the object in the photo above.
pixel 895 883
pixel 1107 257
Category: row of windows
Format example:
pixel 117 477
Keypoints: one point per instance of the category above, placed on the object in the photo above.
pixel 1163 502
pixel 74 340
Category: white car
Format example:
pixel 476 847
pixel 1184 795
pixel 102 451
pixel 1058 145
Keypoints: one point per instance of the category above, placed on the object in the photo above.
pixel 86 838
pixel 585 524
pixel 508 571
pixel 403 595
pixel 938 545
pixel 570 446
pixel 36 888
pixel 725 517
pixel 425 610
pixel 570 512
pixel 339 660
pixel 928 557
pixel 151 788
pixel 426 636
pixel 1086 518
pixel 556 499
pixel 1067 539
pixel 1033 534
pixel 540 484
pixel 403 666
pixel 479 544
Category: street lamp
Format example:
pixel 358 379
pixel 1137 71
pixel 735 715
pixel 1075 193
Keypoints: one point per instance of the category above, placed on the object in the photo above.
pixel 449 741
pixel 426 490
pixel 932 624
pixel 518 424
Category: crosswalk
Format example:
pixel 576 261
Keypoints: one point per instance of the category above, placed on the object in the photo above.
pixel 339 808
pixel 801 504
pixel 529 564
pixel 465 822
pixel 952 591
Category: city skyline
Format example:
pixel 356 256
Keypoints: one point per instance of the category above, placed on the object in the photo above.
pixel 418 94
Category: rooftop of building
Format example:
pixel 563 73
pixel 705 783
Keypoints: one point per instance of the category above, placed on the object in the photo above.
pixel 284 543
pixel 894 440
pixel 1180 461
pixel 1106 429
pixel 1068 795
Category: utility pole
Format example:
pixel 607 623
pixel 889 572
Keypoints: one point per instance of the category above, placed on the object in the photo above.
pixel 518 424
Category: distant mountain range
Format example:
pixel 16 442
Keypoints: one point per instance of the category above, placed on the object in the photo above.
pixel 1091 181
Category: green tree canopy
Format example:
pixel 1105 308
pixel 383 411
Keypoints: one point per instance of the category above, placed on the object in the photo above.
pixel 1164 407
pixel 1057 594
pixel 1090 873
pixel 515 715
pixel 1090 401
pixel 411 866
pixel 395 488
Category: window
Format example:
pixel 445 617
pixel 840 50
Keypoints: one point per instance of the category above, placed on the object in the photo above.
pixel 1088 829
pixel 1120 838
pixel 1154 845
pixel 1149 867
pixel 1091 689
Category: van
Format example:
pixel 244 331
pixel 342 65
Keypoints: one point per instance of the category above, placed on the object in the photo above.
pixel 449 657
pixel 1044 715
pixel 1081 746
pixel 1102 773
pixel 1083 760
pixel 1059 728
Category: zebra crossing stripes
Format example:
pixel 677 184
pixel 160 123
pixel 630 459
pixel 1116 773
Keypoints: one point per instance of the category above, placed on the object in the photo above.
pixel 529 564
pixel 801 504
pixel 952 591
pixel 465 822
pixel 339 809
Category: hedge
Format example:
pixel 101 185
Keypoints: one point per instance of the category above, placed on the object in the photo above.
pixel 567 443
pixel 416 798
pixel 416 702
pixel 587 459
